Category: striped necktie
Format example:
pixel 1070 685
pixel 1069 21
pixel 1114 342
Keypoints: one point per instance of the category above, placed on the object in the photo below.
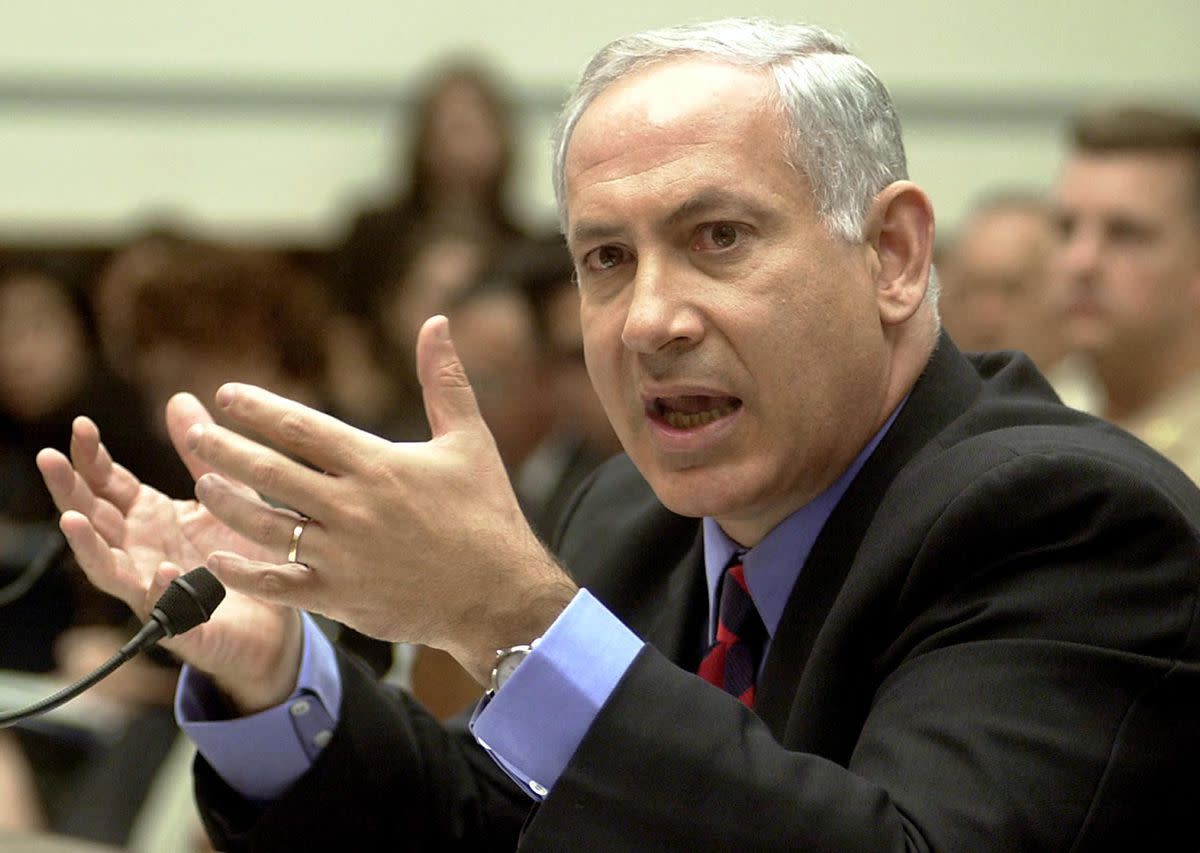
pixel 732 661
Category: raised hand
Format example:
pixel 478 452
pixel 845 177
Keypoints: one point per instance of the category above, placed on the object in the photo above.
pixel 421 542
pixel 132 540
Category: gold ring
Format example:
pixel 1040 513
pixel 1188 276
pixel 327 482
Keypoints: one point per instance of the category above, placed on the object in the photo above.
pixel 294 548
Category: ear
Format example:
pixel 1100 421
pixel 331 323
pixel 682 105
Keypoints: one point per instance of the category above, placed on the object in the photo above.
pixel 899 238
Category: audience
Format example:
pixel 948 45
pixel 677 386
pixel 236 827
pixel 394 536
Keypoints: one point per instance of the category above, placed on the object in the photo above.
pixel 1128 255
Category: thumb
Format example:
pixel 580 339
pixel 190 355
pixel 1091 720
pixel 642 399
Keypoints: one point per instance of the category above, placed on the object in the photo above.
pixel 449 400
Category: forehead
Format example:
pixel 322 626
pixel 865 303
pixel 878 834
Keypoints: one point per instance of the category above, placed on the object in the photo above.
pixel 1152 184
pixel 681 121
pixel 1005 233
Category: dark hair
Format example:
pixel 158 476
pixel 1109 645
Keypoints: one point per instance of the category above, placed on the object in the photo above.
pixel 450 76
pixel 220 298
pixel 1142 129
pixel 66 271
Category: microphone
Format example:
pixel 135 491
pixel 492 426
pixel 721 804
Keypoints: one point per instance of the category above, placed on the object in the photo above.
pixel 189 601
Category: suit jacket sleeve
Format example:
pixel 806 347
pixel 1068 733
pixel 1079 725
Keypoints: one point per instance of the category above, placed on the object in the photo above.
pixel 391 778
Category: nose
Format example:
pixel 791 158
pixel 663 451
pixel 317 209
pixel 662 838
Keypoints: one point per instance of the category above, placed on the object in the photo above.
pixel 1078 253
pixel 662 313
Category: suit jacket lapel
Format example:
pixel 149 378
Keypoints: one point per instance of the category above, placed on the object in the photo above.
pixel 942 393
pixel 680 628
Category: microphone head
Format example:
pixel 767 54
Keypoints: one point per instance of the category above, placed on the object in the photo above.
pixel 189 601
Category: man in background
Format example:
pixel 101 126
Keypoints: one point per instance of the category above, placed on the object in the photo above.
pixel 1128 254
pixel 997 292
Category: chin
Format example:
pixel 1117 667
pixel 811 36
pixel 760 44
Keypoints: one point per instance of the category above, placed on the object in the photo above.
pixel 698 492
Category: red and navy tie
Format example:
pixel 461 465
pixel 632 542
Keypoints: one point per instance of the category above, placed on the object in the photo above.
pixel 732 661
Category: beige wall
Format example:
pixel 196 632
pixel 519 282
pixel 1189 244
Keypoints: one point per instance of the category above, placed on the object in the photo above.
pixel 249 117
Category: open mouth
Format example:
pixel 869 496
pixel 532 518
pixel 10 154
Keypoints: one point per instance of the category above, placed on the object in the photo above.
pixel 691 411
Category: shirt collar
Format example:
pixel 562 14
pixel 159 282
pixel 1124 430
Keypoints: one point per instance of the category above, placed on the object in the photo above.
pixel 773 565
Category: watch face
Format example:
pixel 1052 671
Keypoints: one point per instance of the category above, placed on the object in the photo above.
pixel 506 664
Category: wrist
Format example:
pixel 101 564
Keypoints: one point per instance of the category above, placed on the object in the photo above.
pixel 272 681
pixel 519 624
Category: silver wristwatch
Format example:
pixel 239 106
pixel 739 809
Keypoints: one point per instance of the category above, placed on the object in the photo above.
pixel 507 661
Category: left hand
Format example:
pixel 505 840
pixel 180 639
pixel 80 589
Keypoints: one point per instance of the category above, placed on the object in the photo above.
pixel 417 542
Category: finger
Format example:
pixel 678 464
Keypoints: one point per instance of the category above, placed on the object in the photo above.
pixel 249 515
pixel 184 410
pixel 290 584
pixel 315 437
pixel 69 491
pixel 91 459
pixel 105 567
pixel 267 471
pixel 449 399
pixel 66 487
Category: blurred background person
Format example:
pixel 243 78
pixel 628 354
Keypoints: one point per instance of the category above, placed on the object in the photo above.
pixel 50 371
pixel 371 374
pixel 1128 253
pixel 206 315
pixel 581 436
pixel 459 165
pixel 994 278
pixel 997 293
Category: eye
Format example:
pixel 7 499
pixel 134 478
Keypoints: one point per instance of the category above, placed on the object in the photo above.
pixel 604 258
pixel 1129 231
pixel 1065 225
pixel 717 236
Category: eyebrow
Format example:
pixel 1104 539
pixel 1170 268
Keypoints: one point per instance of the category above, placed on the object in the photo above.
pixel 713 200
pixel 705 201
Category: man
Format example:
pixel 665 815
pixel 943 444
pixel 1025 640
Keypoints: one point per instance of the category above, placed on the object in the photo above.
pixel 950 627
pixel 1128 205
pixel 997 294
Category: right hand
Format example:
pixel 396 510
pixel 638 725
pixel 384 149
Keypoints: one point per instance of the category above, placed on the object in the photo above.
pixel 132 540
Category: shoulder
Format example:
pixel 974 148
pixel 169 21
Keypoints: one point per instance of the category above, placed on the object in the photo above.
pixel 1060 526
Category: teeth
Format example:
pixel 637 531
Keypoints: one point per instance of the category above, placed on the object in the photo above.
pixel 680 420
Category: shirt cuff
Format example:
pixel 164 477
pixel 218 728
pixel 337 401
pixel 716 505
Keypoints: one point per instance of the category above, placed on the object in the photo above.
pixel 534 724
pixel 261 755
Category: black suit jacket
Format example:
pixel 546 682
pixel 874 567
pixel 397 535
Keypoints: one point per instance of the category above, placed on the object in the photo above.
pixel 992 646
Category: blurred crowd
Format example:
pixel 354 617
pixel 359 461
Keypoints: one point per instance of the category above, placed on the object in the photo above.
pixel 1097 279
pixel 113 335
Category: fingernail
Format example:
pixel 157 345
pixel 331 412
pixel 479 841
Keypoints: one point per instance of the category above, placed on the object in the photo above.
pixel 224 396
pixel 194 434
pixel 442 330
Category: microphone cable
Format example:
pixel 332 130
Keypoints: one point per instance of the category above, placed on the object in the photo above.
pixel 49 554
pixel 189 601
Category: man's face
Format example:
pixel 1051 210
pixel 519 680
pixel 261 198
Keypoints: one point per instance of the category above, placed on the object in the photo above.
pixel 495 339
pixel 1128 253
pixel 735 344
pixel 993 282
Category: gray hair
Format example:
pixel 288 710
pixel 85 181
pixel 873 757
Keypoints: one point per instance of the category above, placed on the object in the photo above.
pixel 843 133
